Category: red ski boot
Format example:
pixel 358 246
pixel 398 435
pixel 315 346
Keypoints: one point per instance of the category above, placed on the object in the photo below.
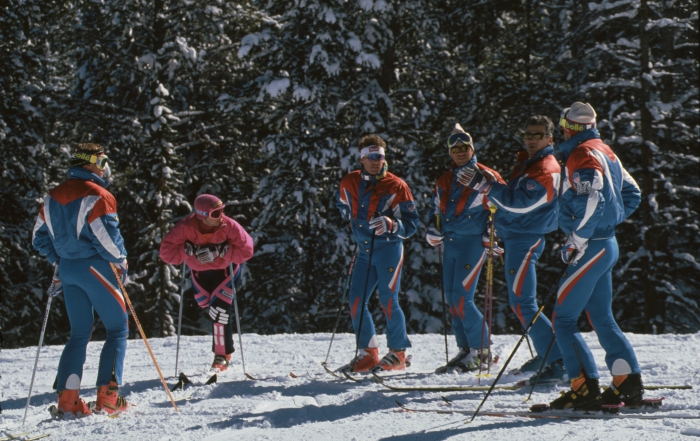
pixel 69 401
pixel 109 400
pixel 395 360
pixel 220 363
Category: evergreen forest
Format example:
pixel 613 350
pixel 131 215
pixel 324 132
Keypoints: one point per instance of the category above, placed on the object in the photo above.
pixel 263 102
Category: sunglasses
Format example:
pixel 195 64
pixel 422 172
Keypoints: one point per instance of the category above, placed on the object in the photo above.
pixel 374 157
pixel 457 138
pixel 460 148
pixel 527 136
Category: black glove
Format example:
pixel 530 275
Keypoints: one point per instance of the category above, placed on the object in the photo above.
pixel 222 249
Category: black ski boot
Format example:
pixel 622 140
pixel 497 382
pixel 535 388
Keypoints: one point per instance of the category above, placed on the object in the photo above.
pixel 627 389
pixel 584 395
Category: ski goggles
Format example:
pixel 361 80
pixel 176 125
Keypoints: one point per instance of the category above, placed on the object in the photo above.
pixel 100 159
pixel 374 157
pixel 459 138
pixel 460 148
pixel 214 213
pixel 538 136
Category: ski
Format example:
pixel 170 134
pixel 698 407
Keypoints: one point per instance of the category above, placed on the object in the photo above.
pixel 43 435
pixel 15 436
pixel 333 373
pixel 381 381
pixel 21 437
pixel 556 414
pixel 517 386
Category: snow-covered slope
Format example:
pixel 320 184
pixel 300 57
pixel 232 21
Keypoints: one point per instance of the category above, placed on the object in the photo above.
pixel 314 406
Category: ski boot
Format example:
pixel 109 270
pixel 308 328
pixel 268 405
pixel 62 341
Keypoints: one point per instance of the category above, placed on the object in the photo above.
pixel 395 360
pixel 584 395
pixel 467 360
pixel 532 365
pixel 220 363
pixel 366 359
pixel 109 400
pixel 553 373
pixel 626 389
pixel 70 402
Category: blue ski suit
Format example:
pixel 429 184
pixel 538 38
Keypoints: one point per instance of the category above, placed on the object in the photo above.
pixel 464 217
pixel 361 196
pixel 597 194
pixel 527 210
pixel 78 228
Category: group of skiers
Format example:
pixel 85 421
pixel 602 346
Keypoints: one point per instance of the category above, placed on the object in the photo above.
pixel 77 230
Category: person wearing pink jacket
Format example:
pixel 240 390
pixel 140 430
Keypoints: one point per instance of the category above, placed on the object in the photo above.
pixel 207 241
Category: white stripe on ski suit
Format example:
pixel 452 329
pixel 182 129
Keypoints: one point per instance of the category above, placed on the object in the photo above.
pixel 101 233
pixel 86 205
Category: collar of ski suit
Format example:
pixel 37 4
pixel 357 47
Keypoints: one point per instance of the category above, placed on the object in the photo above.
pixel 372 179
pixel 85 175
pixel 471 163
pixel 566 147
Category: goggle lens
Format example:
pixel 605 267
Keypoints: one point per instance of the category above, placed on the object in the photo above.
pixel 216 213
pixel 457 138
pixel 100 161
pixel 460 148
pixel 374 157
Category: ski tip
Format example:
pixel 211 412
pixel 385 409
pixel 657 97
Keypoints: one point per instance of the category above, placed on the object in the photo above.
pixel 213 379
pixel 250 377
pixel 293 375
pixel 539 407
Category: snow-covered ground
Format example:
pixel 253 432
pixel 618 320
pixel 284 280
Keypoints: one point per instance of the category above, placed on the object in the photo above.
pixel 315 406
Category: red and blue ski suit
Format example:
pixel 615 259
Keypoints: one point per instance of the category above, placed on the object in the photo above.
pixel 597 195
pixel 359 198
pixel 464 217
pixel 78 228
pixel 528 208
pixel 212 281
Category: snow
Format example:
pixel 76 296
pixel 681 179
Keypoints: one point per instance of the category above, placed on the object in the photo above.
pixel 315 406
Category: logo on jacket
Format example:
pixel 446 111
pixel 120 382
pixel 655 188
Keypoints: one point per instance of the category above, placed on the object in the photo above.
pixel 582 187
pixel 411 207
pixel 391 270
pixel 531 185
pixel 467 267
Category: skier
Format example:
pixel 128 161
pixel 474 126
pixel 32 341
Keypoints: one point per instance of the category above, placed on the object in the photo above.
pixel 527 210
pixel 381 211
pixel 78 230
pixel 208 241
pixel 597 195
pixel 463 215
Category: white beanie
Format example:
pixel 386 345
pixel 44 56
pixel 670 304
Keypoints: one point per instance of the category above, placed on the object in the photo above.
pixel 580 117
pixel 459 135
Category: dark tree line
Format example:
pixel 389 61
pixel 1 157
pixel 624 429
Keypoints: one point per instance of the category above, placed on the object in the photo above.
pixel 263 103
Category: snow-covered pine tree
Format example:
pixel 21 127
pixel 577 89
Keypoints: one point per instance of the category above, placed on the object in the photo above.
pixel 625 65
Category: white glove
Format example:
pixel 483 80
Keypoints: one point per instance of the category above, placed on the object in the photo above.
pixel 434 237
pixel 575 246
pixel 218 314
pixel 383 224
pixel 486 243
pixel 123 270
pixel 473 178
pixel 205 254
pixel 56 288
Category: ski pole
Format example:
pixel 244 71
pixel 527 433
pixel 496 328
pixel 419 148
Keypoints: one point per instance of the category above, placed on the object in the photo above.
pixel 488 295
pixel 38 349
pixel 342 300
pixel 179 315
pixel 529 326
pixel 544 363
pixel 529 346
pixel 442 285
pixel 238 322
pixel 364 295
pixel 143 334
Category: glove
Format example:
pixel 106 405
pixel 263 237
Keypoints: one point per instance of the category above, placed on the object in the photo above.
pixel 206 254
pixel 222 249
pixel 123 270
pixel 473 178
pixel 574 245
pixel 346 214
pixel 190 248
pixel 486 242
pixel 383 224
pixel 434 237
pixel 56 288
pixel 218 314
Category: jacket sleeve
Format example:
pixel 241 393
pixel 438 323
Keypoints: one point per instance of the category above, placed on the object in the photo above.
pixel 172 247
pixel 41 240
pixel 241 244
pixel 587 203
pixel 529 194
pixel 104 226
pixel 405 213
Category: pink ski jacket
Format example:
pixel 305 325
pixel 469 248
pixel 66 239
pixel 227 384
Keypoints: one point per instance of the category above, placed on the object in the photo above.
pixel 172 248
